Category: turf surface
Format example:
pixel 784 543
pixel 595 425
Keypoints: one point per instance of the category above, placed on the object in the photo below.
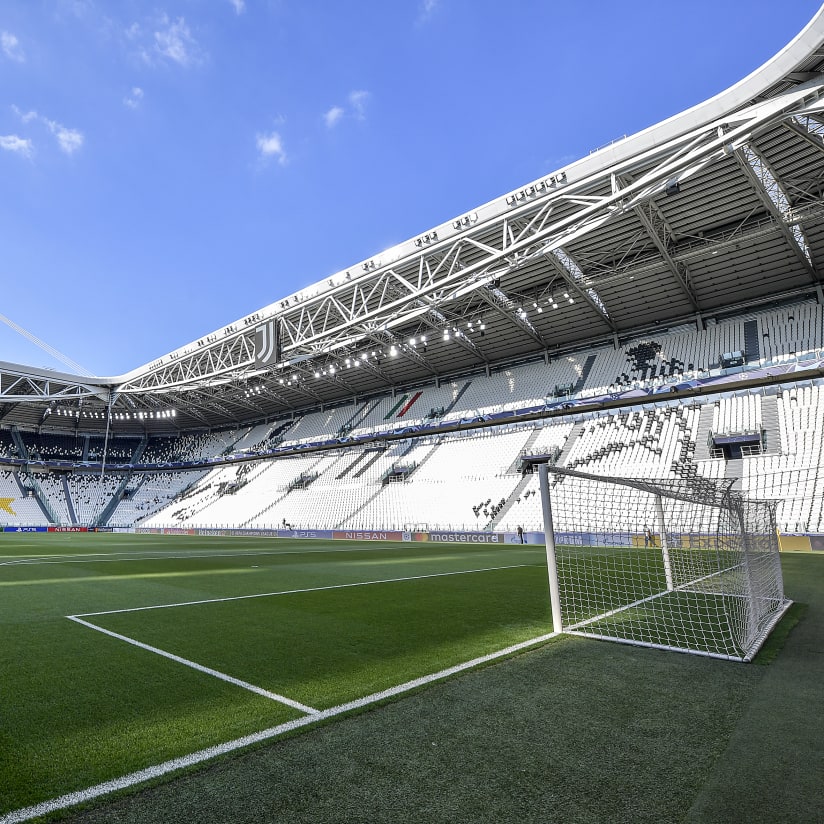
pixel 81 707
pixel 576 730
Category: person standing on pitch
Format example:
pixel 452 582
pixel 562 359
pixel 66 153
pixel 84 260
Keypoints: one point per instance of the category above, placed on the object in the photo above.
pixel 520 533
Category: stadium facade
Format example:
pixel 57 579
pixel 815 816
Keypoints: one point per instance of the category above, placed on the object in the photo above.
pixel 654 309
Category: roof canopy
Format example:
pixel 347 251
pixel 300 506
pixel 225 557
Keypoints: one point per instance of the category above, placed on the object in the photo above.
pixel 717 209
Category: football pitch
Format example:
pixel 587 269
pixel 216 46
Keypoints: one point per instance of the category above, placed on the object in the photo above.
pixel 127 660
pixel 122 653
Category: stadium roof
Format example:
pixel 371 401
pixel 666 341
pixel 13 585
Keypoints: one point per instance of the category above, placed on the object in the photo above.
pixel 718 209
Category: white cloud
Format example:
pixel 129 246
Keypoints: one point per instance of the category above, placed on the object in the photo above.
pixel 69 140
pixel 332 117
pixel 134 98
pixel 271 145
pixel 358 100
pixel 175 42
pixel 26 117
pixel 164 39
pixel 13 143
pixel 11 47
pixel 239 6
pixel 159 40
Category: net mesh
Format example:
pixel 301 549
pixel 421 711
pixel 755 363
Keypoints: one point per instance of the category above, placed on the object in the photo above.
pixel 687 566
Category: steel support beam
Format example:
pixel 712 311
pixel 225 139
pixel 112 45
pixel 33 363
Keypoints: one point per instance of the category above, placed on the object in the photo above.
pixel 508 308
pixel 777 204
pixel 574 277
pixel 660 233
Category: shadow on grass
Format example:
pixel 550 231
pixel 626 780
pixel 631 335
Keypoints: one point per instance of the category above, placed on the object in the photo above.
pixel 778 637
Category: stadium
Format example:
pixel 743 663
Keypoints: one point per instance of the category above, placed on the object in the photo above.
pixel 296 569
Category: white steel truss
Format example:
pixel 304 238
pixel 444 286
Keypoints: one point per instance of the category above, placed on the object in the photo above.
pixel 413 283
pixel 775 199
pixel 17 386
pixel 394 290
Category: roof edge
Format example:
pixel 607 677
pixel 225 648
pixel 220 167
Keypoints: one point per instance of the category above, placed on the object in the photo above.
pixel 756 84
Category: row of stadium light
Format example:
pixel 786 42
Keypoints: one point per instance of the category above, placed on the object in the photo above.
pixel 355 362
pixel 75 413
pixel 552 302
pixel 117 416
pixel 419 341
pixel 375 355
pixel 292 380
pixel 475 326
pixel 358 360
pixel 140 416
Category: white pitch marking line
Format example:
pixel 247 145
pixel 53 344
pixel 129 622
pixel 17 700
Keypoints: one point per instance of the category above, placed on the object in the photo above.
pixel 199 667
pixel 119 557
pixel 297 591
pixel 149 773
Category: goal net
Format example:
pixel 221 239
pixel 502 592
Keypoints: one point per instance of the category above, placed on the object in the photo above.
pixel 683 565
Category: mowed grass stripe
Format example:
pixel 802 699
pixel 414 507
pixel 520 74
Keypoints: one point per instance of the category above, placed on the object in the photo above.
pixel 281 699
pixel 202 552
pixel 326 646
pixel 90 544
pixel 221 675
pixel 80 708
pixel 295 591
pixel 159 770
pixel 299 566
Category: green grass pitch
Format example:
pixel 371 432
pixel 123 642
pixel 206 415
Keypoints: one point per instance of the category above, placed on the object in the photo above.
pixel 81 707
pixel 573 730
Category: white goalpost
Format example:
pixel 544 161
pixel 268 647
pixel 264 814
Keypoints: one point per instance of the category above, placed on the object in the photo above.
pixel 684 565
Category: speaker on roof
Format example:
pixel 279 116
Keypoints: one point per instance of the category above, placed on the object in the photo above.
pixel 672 187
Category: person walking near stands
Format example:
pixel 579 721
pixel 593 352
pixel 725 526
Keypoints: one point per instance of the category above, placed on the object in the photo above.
pixel 520 533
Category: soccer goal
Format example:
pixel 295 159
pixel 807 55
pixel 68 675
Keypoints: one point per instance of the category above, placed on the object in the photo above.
pixel 681 565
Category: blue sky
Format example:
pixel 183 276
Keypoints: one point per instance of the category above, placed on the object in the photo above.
pixel 167 168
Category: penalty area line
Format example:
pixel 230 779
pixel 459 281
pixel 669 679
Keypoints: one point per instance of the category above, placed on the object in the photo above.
pixel 167 767
pixel 298 591
pixel 273 696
